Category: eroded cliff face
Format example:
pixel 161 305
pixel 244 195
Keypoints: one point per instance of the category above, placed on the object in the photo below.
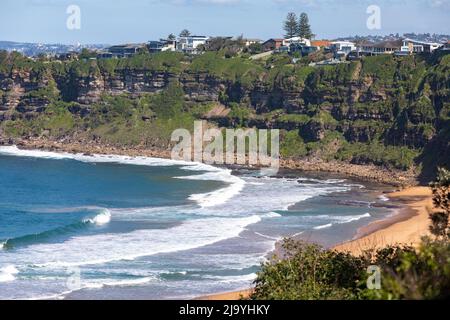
pixel 401 102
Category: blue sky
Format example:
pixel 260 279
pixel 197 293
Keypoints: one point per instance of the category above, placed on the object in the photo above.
pixel 119 21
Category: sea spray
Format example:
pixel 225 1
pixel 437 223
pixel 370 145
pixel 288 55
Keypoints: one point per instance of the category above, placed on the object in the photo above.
pixel 8 273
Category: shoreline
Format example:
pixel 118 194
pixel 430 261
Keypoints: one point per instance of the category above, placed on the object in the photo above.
pixel 407 226
pixel 367 172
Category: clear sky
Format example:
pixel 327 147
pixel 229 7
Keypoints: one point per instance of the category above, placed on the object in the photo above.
pixel 120 21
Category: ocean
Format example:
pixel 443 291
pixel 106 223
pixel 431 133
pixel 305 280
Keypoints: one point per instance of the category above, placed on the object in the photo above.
pixel 118 227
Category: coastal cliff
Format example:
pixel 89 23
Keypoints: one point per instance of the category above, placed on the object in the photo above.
pixel 390 112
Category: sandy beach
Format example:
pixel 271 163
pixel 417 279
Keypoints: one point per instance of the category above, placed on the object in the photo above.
pixel 408 226
pixel 227 296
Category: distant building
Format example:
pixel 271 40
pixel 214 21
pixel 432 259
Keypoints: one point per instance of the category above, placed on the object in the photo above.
pixel 126 50
pixel 414 46
pixel 321 44
pixel 384 47
pixel 191 43
pixel 283 49
pixel 104 55
pixel 304 50
pixel 342 48
pixel 71 55
pixel 161 45
pixel 446 47
pixel 272 44
pixel 296 40
pixel 249 42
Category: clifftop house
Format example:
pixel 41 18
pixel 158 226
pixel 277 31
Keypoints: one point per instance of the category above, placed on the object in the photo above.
pixel 414 46
pixel 272 44
pixel 296 40
pixel 125 50
pixel 190 44
pixel 162 45
pixel 384 47
pixel 342 48
pixel 321 44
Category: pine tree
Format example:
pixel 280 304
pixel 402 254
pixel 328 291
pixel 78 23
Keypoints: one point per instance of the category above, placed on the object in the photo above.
pixel 304 29
pixel 185 33
pixel 290 25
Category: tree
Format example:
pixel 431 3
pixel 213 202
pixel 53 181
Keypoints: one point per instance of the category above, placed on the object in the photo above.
pixel 290 25
pixel 441 199
pixel 87 54
pixel 185 33
pixel 304 29
pixel 171 37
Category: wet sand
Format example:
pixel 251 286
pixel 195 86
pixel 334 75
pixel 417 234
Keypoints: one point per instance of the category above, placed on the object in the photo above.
pixel 407 227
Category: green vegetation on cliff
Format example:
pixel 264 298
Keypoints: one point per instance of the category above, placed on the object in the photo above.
pixel 385 110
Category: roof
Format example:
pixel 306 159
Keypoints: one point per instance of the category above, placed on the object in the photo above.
pixel 343 42
pixel 320 43
pixel 129 45
pixel 273 39
pixel 423 42
pixel 385 44
pixel 198 37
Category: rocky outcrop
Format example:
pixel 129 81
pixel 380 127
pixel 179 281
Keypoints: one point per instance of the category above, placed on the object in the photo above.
pixel 365 103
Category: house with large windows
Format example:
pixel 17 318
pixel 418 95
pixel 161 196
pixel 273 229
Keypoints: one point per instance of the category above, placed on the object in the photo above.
pixel 190 44
pixel 161 45
pixel 342 48
pixel 272 44
pixel 384 47
pixel 296 40
pixel 126 50
pixel 414 46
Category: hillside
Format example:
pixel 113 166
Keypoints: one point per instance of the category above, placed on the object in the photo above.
pixel 387 111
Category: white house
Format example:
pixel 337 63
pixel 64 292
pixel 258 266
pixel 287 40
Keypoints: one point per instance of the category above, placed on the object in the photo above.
pixel 342 47
pixel 248 42
pixel 190 44
pixel 296 40
pixel 384 47
pixel 414 46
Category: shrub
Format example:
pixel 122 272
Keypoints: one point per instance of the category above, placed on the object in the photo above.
pixel 307 272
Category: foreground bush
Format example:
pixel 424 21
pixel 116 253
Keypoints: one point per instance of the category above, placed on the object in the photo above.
pixel 309 272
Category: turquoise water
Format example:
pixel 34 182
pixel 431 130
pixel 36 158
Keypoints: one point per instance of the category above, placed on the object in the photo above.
pixel 78 226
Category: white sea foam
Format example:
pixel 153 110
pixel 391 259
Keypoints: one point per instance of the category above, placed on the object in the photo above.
pixel 8 273
pixel 268 237
pixel 221 196
pixel 352 218
pixel 341 220
pixel 383 198
pixel 101 283
pixel 204 200
pixel 242 278
pixel 325 226
pixel 103 248
pixel 100 219
pixel 272 215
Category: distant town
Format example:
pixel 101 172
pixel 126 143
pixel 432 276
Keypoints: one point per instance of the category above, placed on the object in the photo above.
pixel 298 42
